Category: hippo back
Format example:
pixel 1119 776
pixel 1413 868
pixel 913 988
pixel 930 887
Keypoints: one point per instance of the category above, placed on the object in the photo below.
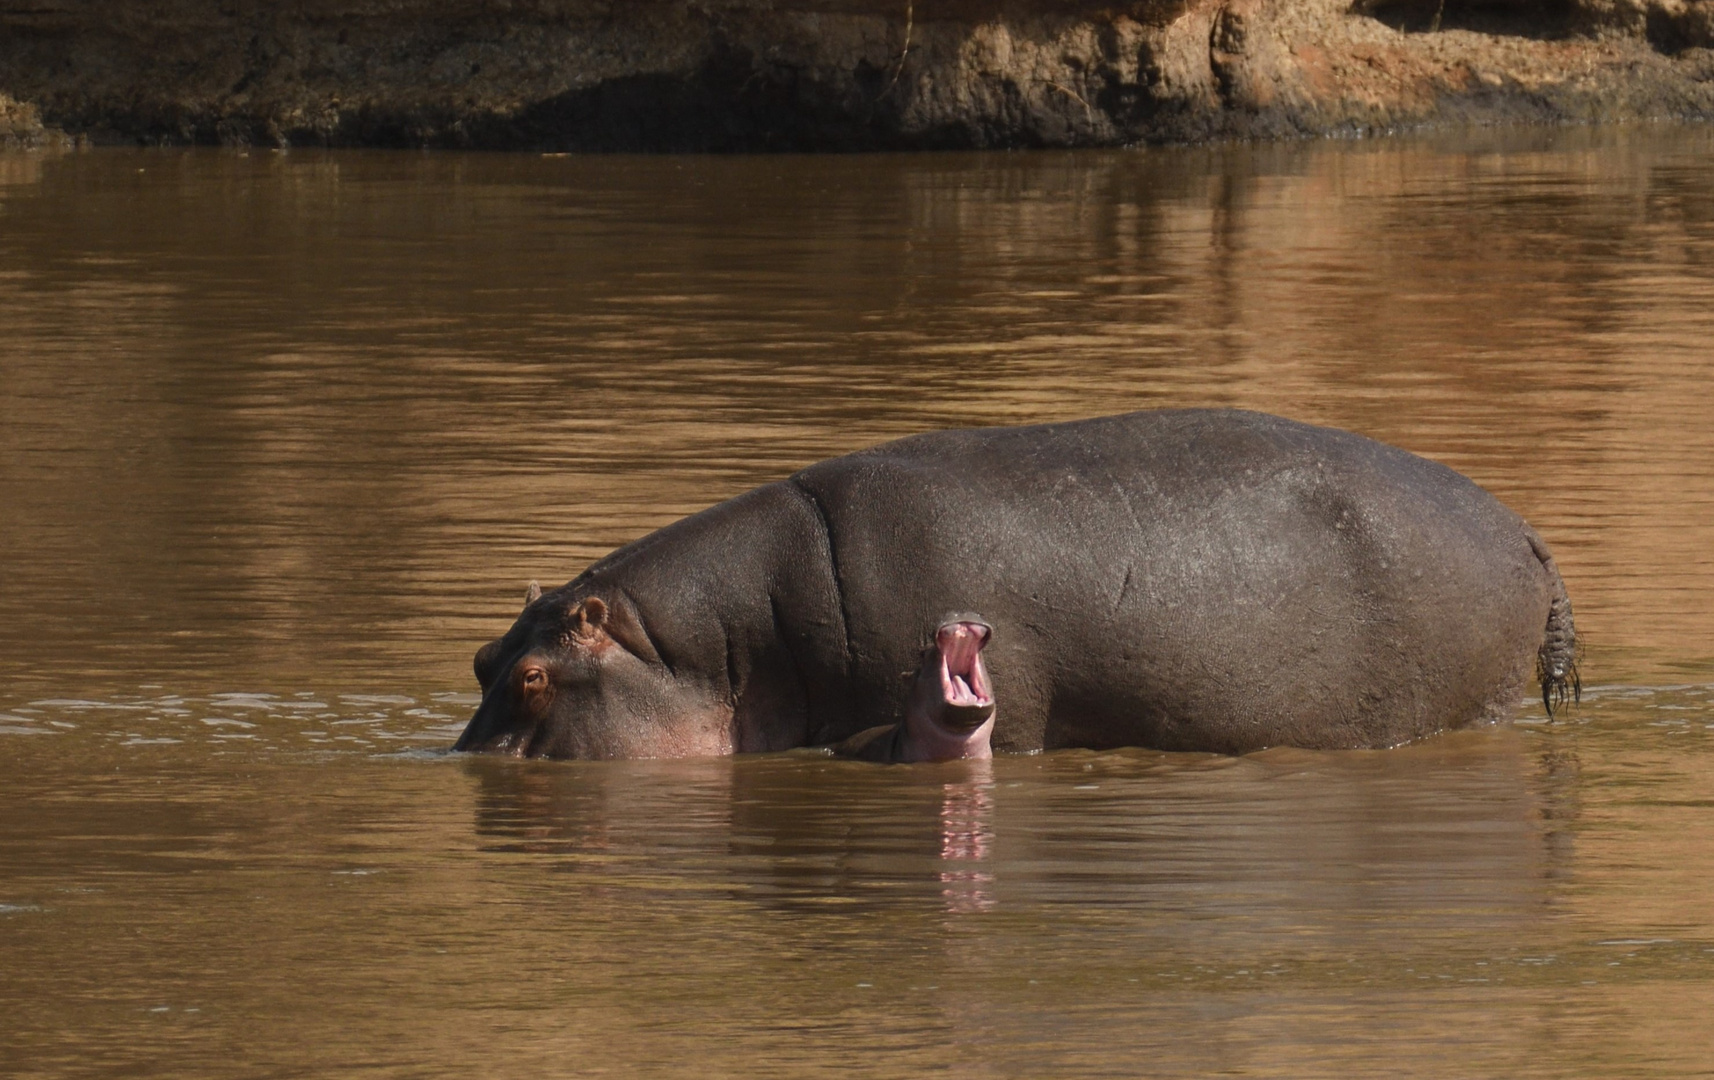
pixel 1204 579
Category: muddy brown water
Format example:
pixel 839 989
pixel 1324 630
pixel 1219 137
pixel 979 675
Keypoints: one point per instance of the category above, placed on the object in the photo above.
pixel 285 435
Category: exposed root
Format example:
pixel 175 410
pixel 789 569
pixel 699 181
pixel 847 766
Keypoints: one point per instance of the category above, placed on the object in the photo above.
pixel 904 50
pixel 1088 110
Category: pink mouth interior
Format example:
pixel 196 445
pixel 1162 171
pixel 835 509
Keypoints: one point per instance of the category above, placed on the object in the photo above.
pixel 963 679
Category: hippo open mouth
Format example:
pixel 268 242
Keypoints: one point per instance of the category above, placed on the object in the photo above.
pixel 950 713
pixel 968 698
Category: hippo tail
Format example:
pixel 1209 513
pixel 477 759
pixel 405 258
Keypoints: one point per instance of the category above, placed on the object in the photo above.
pixel 1556 660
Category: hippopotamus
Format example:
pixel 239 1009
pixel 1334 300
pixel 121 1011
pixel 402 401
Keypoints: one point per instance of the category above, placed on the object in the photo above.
pixel 949 715
pixel 1195 580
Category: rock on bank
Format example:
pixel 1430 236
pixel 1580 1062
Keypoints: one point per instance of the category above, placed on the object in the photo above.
pixel 21 125
pixel 839 74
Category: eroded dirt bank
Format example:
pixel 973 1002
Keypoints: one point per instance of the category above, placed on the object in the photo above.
pixel 834 74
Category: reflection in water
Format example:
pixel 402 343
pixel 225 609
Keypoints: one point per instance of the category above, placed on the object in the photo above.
pixel 809 831
pixel 284 435
pixel 1072 910
pixel 966 834
pixel 1449 834
pixel 318 416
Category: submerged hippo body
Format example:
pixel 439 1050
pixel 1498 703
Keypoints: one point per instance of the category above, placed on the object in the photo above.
pixel 1186 580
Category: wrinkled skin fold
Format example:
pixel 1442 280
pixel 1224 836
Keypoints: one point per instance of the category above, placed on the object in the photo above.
pixel 1212 580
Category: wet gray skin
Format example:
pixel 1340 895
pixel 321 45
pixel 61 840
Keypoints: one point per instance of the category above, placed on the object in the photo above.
pixel 1211 580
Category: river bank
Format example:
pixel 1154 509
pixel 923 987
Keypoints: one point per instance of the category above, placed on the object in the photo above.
pixel 836 74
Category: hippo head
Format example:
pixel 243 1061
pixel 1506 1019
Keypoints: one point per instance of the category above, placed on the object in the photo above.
pixel 950 714
pixel 578 677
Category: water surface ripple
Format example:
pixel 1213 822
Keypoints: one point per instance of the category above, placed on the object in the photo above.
pixel 286 434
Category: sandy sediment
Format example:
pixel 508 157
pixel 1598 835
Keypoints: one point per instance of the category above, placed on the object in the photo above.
pixel 835 74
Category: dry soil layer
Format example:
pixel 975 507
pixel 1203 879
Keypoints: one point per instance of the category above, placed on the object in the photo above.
pixel 834 74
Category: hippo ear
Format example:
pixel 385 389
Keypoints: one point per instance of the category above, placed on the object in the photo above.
pixel 587 617
pixel 593 620
pixel 533 593
pixel 624 627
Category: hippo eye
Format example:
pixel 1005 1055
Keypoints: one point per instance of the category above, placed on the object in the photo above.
pixel 535 679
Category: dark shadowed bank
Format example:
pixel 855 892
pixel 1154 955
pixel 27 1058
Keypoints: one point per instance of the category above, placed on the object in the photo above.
pixel 833 74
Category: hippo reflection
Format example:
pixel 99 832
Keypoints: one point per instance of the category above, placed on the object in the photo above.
pixel 1439 841
pixel 1210 580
